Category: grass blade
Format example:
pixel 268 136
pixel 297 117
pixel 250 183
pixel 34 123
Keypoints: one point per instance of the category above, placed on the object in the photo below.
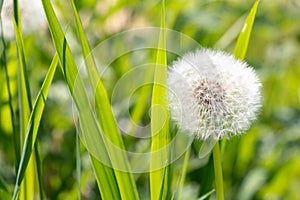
pixel 106 119
pixel 242 45
pixel 160 127
pixel 109 190
pixel 164 178
pixel 115 182
pixel 244 37
pixel 184 171
pixel 78 165
pixel 86 50
pixel 16 138
pixel 33 125
pixel 39 170
pixel 25 105
pixel 205 196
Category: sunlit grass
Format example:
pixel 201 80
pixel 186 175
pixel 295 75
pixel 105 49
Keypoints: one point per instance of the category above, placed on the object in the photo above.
pixel 112 176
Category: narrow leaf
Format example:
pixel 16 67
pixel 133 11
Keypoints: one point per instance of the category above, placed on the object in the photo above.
pixel 33 125
pixel 105 174
pixel 160 121
pixel 16 138
pixel 242 45
pixel 90 63
pixel 106 118
pixel 244 37
pixel 184 170
pixel 25 105
pixel 39 170
pixel 78 166
pixel 109 180
pixel 205 196
pixel 164 178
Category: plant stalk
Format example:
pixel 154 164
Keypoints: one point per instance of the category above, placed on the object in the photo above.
pixel 218 172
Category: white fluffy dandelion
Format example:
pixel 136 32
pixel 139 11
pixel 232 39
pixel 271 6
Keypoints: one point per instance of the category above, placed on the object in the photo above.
pixel 213 95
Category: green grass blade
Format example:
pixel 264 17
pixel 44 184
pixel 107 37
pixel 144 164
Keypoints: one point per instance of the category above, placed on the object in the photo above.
pixel 108 124
pixel 184 170
pixel 78 165
pixel 107 121
pixel 104 175
pixel 244 37
pixel 86 50
pixel 33 125
pixel 25 105
pixel 109 180
pixel 242 45
pixel 205 196
pixel 24 88
pixel 39 170
pixel 162 195
pixel 160 127
pixel 17 13
pixel 16 138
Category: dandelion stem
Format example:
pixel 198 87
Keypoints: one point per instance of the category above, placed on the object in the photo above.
pixel 218 172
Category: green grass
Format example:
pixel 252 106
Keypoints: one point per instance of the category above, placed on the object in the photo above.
pixel 244 37
pixel 160 171
pixel 32 174
pixel 44 155
pixel 112 182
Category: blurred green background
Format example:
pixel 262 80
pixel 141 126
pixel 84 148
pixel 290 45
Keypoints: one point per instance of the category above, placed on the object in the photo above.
pixel 262 164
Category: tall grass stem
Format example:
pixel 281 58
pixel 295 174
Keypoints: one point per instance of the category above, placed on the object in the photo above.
pixel 218 172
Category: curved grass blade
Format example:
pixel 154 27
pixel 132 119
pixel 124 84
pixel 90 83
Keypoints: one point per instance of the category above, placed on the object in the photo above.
pixel 244 37
pixel 164 178
pixel 106 119
pixel 78 165
pixel 38 170
pixel 113 179
pixel 16 139
pixel 205 196
pixel 184 171
pixel 230 35
pixel 86 50
pixel 31 179
pixel 33 125
pixel 160 179
pixel 242 45
pixel 103 173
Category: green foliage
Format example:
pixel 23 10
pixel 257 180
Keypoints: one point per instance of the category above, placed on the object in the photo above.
pixel 244 37
pixel 27 161
pixel 116 181
pixel 262 164
pixel 160 178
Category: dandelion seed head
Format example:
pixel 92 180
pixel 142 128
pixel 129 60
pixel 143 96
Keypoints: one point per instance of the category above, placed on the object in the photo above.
pixel 212 94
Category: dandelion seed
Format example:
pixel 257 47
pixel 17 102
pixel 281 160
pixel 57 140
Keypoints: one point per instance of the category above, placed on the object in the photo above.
pixel 213 95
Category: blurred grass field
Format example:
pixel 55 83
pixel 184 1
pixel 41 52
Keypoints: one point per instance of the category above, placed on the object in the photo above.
pixel 262 164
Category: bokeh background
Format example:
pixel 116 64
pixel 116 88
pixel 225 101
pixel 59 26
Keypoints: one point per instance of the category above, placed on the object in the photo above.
pixel 262 164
